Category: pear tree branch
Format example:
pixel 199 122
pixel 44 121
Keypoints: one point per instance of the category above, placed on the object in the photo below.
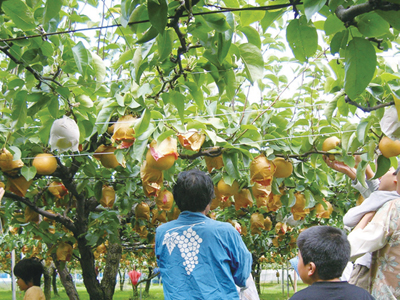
pixel 67 222
pixel 365 108
pixel 347 15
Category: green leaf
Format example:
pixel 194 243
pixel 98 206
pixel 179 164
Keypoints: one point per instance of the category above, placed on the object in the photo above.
pixel 362 131
pixel 42 100
pixel 349 160
pixel 99 67
pixel 349 139
pixel 217 22
pixel 44 131
pixel 339 41
pixel 20 110
pixel 103 118
pixel 178 100
pixel 312 6
pixel 63 91
pixel 230 160
pixel 84 101
pixel 361 172
pixel 253 61
pixel 253 37
pixel 270 17
pixel 51 10
pixel 16 83
pixel 333 4
pixel 196 93
pixel 225 39
pixel 28 172
pixel 383 165
pixel 53 107
pixel 126 56
pixel 248 17
pixel 372 25
pixel 394 162
pixel 342 106
pixel 47 48
pixel 98 187
pixel 127 9
pixel 232 3
pixel 333 25
pixel 164 43
pixel 291 199
pixel 149 35
pixel 90 170
pixel 371 150
pixel 138 14
pixel 310 201
pixel 212 135
pixel 230 80
pixel 164 135
pixel 194 124
pixel 360 65
pixel 81 57
pixel 139 148
pixel 143 124
pixel 302 38
pixel 158 13
pixel 20 14
pixel 392 17
pixel 91 238
pixel 16 152
pixel 119 155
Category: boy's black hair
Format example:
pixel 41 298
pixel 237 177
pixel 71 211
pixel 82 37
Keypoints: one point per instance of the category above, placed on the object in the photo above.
pixel 193 191
pixel 397 171
pixel 398 168
pixel 29 270
pixel 327 247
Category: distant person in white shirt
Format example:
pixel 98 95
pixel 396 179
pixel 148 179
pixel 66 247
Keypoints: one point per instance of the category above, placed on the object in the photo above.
pixel 380 233
pixel 378 193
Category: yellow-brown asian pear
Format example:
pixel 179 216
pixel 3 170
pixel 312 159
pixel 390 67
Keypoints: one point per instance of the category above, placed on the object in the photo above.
pixel 192 140
pixel 262 170
pixel 162 156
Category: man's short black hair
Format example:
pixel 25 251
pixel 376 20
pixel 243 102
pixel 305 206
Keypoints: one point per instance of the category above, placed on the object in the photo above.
pixel 193 191
pixel 327 247
pixel 29 270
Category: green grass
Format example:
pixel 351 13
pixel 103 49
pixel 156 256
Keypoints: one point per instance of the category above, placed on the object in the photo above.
pixel 269 291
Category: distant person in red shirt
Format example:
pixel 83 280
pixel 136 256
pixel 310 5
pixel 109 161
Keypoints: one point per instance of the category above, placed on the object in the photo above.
pixel 134 276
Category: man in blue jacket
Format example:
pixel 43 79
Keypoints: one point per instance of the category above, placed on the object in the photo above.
pixel 200 258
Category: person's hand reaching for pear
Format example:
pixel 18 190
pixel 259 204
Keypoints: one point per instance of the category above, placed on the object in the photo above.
pixel 341 167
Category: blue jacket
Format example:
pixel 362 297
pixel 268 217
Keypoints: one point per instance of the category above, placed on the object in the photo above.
pixel 200 258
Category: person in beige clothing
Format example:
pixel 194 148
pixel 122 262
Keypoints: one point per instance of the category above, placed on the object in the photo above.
pixel 29 272
pixel 380 233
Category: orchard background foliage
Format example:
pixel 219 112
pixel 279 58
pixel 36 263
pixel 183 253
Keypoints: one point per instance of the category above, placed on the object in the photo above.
pixel 178 67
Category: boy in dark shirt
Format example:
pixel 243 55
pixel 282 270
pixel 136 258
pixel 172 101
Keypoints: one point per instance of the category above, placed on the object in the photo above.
pixel 323 254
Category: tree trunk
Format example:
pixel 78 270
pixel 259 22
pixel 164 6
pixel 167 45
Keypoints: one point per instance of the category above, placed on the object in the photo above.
pixel 121 279
pixel 135 292
pixel 256 272
pixel 54 280
pixel 66 279
pixel 148 282
pixel 108 282
pixel 47 282
pixel 87 262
